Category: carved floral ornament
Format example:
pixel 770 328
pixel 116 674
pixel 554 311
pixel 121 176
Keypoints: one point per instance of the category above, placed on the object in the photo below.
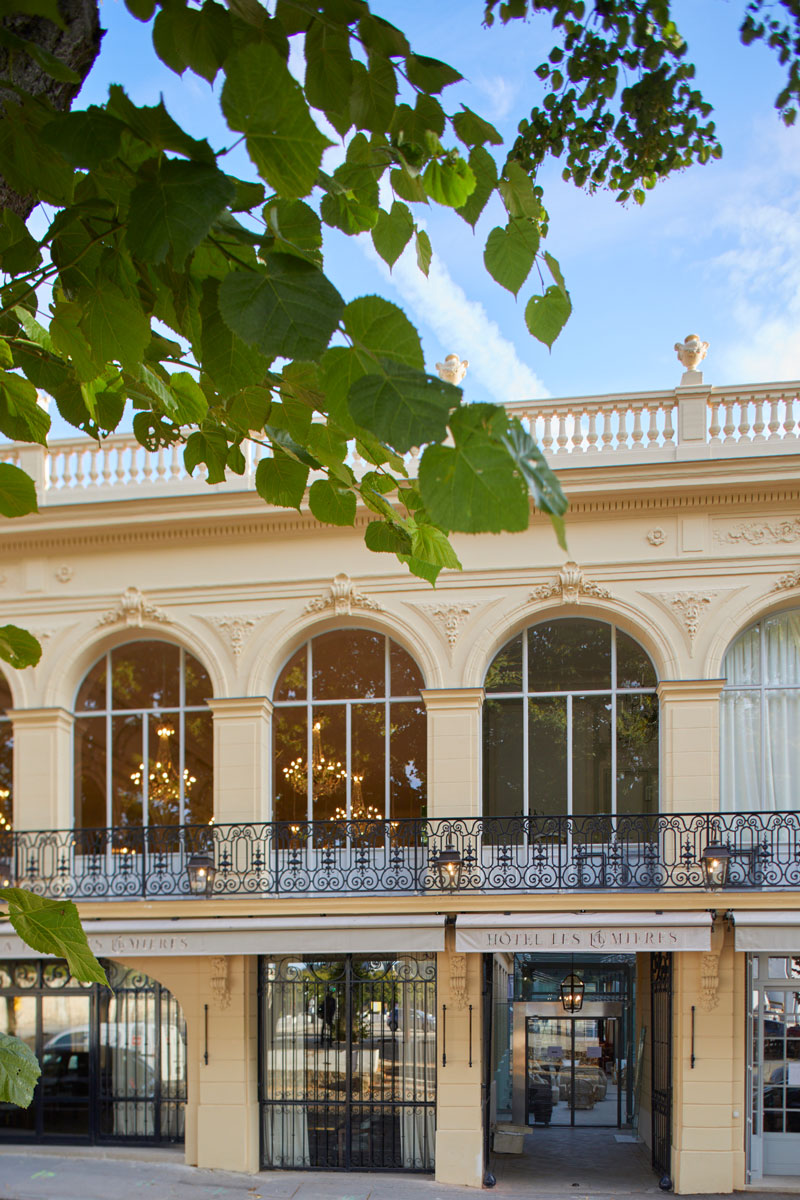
pixel 687 608
pixel 451 617
pixel 342 597
pixel 220 981
pixel 237 630
pixel 133 610
pixel 570 585
pixel 458 979
pixel 760 533
pixel 787 582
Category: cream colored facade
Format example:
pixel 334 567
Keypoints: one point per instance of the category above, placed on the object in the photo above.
pixel 681 538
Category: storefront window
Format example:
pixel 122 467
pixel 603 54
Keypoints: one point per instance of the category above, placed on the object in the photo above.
pixel 570 723
pixel 760 718
pixel 349 731
pixel 143 740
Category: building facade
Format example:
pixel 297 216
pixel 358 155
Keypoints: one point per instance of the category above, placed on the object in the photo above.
pixel 382 873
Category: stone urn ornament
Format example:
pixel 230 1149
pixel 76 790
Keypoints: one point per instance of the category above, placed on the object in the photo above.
pixel 691 352
pixel 453 369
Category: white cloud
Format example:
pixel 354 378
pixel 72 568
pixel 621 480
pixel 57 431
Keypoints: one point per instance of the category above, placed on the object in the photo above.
pixel 462 326
pixel 500 93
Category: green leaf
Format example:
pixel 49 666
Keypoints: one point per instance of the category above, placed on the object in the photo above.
pixel 175 209
pixel 542 482
pixel 474 486
pixel 377 34
pixel 384 537
pixel 48 62
pixel 393 232
pixel 296 228
pixel 53 927
pixel 485 171
pixel 332 505
pixel 230 362
pixel 85 139
pixel 547 315
pixel 473 130
pixel 510 252
pixel 348 213
pixel 408 186
pixel 403 407
pixel 449 181
pixel 422 569
pixel 373 94
pixel 430 74
pixel 382 331
pixel 19 1071
pixel 281 480
pixel 115 326
pixel 210 448
pixel 249 410
pixel 290 309
pixel 340 366
pixel 555 271
pixel 17 492
pixel 21 418
pixel 19 252
pixel 156 127
pixel 49 9
pixel 197 38
pixel 518 194
pixel 18 647
pixel 424 251
pixel 192 406
pixel 262 100
pixel 329 70
pixel 141 9
pixel 432 545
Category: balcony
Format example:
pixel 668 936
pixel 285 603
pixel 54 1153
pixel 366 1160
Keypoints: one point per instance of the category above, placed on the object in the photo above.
pixel 469 856
pixel 587 431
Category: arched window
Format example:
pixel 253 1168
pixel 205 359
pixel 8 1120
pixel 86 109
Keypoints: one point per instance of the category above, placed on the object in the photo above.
pixel 348 703
pixel 570 723
pixel 143 739
pixel 6 758
pixel 760 717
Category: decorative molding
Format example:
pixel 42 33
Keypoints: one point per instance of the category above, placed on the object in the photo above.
pixel 133 610
pixel 219 979
pixel 64 573
pixel 792 580
pixel 688 608
pixel 656 537
pixel 709 969
pixel 760 533
pixel 451 617
pixel 342 597
pixel 570 585
pixel 236 629
pixel 458 979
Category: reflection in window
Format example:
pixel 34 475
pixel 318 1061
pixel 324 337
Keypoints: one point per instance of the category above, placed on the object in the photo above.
pixel 6 759
pixel 570 723
pixel 349 731
pixel 143 740
pixel 760 718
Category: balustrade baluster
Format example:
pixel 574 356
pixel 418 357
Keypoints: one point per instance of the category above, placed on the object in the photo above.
pixel 608 429
pixel 669 426
pixel 758 424
pixel 66 471
pixel 715 428
pixel 637 434
pixel 175 463
pixel 562 433
pixel 147 466
pixel 774 417
pixel 729 426
pixel 80 474
pixel 591 433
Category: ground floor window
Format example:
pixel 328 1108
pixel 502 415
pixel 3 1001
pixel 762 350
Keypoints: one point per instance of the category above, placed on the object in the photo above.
pixel 348 1062
pixel 774 1065
pixel 113 1060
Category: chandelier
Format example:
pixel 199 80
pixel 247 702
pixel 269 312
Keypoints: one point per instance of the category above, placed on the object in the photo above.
pixel 359 811
pixel 5 823
pixel 164 782
pixel 327 776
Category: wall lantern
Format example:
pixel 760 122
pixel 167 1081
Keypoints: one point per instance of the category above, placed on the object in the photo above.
pixel 201 871
pixel 572 989
pixel 716 859
pixel 448 866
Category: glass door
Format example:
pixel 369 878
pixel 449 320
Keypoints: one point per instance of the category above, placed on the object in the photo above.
pixel 573 1071
pixel 775 1028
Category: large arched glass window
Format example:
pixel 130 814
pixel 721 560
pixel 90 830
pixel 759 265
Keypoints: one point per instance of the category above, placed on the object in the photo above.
pixel 6 758
pixel 349 731
pixel 143 739
pixel 570 723
pixel 760 718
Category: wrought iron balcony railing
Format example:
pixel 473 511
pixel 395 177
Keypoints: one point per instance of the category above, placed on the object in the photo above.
pixel 474 855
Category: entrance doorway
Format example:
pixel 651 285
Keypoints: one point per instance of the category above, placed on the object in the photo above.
pixel 575 1070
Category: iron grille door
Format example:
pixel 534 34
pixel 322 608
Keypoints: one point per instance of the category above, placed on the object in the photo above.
pixel 661 1063
pixel 348 1062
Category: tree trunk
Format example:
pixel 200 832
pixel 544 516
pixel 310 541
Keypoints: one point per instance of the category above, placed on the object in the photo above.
pixel 76 46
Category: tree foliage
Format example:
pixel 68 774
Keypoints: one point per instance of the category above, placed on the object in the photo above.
pixel 164 281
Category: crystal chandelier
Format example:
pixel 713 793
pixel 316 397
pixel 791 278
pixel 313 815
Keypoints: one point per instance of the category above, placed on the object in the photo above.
pixel 164 783
pixel 359 811
pixel 327 776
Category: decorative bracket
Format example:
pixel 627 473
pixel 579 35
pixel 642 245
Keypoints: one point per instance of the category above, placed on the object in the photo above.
pixel 342 597
pixel 570 584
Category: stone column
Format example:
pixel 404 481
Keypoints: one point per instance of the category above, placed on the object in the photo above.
pixel 242 767
pixel 454 751
pixel 459 1125
pixel 43 768
pixel 689 719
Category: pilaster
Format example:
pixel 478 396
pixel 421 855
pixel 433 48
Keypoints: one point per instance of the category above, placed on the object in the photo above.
pixel 459 1125
pixel 242 769
pixel 454 751
pixel 689 719
pixel 43 768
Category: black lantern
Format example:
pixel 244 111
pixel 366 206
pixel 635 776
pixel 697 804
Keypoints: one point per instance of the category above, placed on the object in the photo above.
pixel 572 989
pixel 448 865
pixel 716 859
pixel 201 871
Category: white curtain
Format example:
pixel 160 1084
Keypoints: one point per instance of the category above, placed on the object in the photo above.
pixel 417 1137
pixel 760 725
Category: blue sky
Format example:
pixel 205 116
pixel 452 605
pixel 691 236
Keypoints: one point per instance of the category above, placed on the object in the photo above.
pixel 714 251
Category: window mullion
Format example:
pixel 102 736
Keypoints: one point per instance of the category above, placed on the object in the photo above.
pixel 109 747
pixel 569 754
pixel 526 793
pixel 614 703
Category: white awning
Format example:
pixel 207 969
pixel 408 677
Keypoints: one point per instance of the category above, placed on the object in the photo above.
pixel 571 932
pixel 252 935
pixel 773 930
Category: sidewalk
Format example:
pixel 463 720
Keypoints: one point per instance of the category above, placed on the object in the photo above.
pixel 117 1174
